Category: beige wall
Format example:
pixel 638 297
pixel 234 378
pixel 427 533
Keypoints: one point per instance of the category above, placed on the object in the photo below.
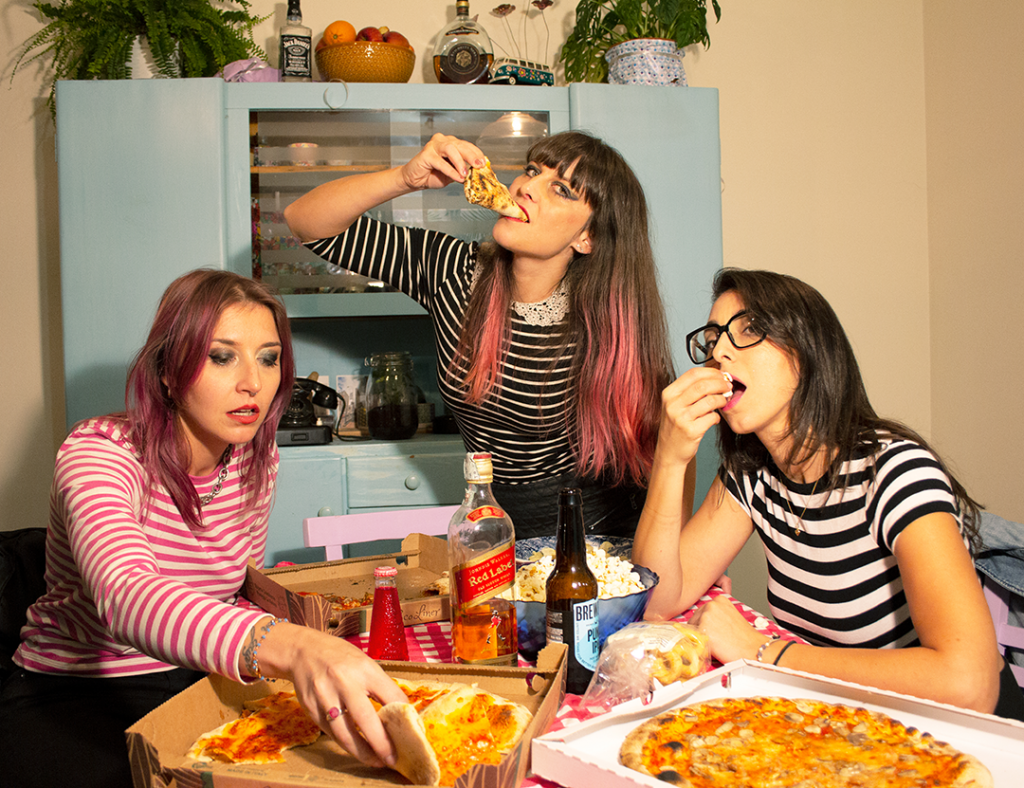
pixel 871 148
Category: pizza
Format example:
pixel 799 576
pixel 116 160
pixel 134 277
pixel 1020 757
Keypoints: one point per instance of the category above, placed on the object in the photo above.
pixel 444 730
pixel 768 741
pixel 339 602
pixel 482 187
pixel 267 728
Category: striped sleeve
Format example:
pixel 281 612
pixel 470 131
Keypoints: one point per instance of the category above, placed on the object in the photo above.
pixel 131 588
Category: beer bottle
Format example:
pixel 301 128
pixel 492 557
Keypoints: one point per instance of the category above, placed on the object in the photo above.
pixel 572 595
pixel 482 560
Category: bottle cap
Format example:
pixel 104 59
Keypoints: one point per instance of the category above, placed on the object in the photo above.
pixel 385 571
pixel 477 467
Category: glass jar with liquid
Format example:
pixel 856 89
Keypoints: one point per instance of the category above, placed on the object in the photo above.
pixel 392 412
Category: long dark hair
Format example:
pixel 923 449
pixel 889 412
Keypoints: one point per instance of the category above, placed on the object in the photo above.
pixel 616 319
pixel 170 363
pixel 830 407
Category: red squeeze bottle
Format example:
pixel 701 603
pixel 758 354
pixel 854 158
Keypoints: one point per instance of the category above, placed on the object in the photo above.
pixel 387 630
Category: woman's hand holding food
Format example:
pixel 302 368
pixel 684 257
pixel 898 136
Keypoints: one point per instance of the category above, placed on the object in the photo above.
pixel 443 160
pixel 689 408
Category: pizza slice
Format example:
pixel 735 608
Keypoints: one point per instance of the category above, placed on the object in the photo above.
pixel 263 733
pixel 482 187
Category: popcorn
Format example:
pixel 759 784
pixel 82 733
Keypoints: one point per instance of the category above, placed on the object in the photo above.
pixel 615 576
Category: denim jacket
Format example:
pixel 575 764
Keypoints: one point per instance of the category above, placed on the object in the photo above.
pixel 1002 555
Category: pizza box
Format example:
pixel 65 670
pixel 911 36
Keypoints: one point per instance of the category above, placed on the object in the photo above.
pixel 420 562
pixel 587 755
pixel 158 742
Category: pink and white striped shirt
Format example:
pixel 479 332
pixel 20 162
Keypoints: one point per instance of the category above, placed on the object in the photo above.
pixel 132 589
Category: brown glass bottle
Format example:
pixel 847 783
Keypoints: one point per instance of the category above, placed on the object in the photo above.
pixel 572 595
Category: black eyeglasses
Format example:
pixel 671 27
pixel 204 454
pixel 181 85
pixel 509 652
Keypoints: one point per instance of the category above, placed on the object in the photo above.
pixel 742 330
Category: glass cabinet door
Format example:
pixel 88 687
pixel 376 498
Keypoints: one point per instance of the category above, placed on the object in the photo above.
pixel 291 152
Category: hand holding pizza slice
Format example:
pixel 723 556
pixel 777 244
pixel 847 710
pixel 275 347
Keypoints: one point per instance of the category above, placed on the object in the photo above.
pixel 482 187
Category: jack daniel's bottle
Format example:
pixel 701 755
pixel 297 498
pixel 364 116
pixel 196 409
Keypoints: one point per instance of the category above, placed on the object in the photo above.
pixel 482 559
pixel 296 47
pixel 463 53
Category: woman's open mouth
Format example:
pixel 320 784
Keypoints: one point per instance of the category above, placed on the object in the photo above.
pixel 738 389
pixel 245 415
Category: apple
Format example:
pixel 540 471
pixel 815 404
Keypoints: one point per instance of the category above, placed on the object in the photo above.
pixel 369 34
pixel 321 44
pixel 396 38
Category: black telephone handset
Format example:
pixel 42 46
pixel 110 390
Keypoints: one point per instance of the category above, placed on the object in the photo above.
pixel 305 394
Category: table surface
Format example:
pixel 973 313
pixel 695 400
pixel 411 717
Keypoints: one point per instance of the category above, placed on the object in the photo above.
pixel 432 643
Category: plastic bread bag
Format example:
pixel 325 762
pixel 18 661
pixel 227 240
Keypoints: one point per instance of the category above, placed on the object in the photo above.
pixel 641 657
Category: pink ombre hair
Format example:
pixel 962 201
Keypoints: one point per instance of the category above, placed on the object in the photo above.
pixel 616 318
pixel 170 363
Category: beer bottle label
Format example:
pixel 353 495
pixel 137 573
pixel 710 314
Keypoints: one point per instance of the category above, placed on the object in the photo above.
pixel 585 633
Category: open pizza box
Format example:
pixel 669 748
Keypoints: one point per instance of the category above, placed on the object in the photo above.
pixel 587 755
pixel 158 742
pixel 421 561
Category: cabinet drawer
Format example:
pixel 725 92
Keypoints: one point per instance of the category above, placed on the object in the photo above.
pixel 410 480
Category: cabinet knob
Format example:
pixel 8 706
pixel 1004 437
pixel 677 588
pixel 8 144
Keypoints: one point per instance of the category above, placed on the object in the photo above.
pixel 325 511
pixel 412 482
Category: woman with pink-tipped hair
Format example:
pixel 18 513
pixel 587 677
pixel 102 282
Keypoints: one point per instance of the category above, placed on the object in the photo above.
pixel 551 339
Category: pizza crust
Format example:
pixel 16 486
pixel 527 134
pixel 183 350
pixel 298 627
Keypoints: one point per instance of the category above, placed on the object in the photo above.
pixel 482 187
pixel 416 758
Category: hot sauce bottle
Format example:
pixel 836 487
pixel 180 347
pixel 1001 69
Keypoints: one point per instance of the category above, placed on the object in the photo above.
pixel 482 560
pixel 572 595
pixel 387 630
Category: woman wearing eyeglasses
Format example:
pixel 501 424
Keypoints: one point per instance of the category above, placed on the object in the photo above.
pixel 866 533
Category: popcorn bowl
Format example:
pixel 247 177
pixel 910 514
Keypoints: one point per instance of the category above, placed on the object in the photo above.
pixel 612 614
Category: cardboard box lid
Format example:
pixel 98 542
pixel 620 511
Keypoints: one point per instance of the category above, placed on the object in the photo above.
pixel 421 561
pixel 158 742
pixel 587 755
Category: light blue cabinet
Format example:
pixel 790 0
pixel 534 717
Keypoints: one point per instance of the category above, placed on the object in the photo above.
pixel 155 180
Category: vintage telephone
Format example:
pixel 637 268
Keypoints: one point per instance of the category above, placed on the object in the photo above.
pixel 298 424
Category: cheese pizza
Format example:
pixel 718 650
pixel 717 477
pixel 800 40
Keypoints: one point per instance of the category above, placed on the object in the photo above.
pixel 482 187
pixel 768 741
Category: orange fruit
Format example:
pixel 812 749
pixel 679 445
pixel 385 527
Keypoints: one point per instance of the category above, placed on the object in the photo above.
pixel 340 32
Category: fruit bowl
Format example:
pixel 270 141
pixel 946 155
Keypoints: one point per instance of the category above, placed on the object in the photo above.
pixel 365 61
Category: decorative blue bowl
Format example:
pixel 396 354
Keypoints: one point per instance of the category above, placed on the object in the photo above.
pixel 612 614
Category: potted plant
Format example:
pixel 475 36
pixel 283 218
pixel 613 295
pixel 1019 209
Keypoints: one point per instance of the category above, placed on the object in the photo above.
pixel 602 25
pixel 93 39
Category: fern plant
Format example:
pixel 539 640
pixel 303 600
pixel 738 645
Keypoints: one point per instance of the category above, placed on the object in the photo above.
pixel 93 39
pixel 602 24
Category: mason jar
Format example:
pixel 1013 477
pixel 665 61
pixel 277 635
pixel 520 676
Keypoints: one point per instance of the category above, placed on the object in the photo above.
pixel 392 413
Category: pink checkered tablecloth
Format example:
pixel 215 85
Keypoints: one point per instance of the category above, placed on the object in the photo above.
pixel 432 643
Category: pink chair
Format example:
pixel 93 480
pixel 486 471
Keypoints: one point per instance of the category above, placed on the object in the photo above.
pixel 335 532
pixel 1007 635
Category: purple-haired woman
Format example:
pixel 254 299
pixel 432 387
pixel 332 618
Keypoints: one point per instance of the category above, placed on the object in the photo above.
pixel 154 515
pixel 551 339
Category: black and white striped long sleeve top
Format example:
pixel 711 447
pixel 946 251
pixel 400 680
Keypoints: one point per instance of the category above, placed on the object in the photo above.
pixel 525 426
pixel 832 575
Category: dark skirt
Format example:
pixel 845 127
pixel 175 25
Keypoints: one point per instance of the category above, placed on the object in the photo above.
pixel 607 511
pixel 60 729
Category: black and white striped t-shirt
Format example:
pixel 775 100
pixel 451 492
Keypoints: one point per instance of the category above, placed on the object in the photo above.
pixel 524 426
pixel 832 575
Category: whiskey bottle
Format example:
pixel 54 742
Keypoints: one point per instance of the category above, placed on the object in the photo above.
pixel 296 47
pixel 482 563
pixel 463 53
pixel 572 595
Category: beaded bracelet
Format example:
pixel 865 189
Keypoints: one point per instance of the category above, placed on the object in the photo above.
pixel 783 651
pixel 763 646
pixel 255 665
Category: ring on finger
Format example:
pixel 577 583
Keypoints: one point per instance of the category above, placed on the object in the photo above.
pixel 333 713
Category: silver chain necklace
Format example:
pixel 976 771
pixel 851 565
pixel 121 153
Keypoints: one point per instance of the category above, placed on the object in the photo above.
pixel 205 499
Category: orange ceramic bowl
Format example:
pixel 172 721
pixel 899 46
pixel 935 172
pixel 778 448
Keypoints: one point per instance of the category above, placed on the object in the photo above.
pixel 365 61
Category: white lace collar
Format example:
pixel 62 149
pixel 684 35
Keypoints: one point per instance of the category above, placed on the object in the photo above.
pixel 551 311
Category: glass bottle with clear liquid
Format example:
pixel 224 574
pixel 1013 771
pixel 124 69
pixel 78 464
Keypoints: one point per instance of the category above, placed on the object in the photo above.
pixel 482 560
pixel 463 54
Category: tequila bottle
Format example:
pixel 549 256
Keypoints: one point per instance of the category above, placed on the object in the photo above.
pixel 463 53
